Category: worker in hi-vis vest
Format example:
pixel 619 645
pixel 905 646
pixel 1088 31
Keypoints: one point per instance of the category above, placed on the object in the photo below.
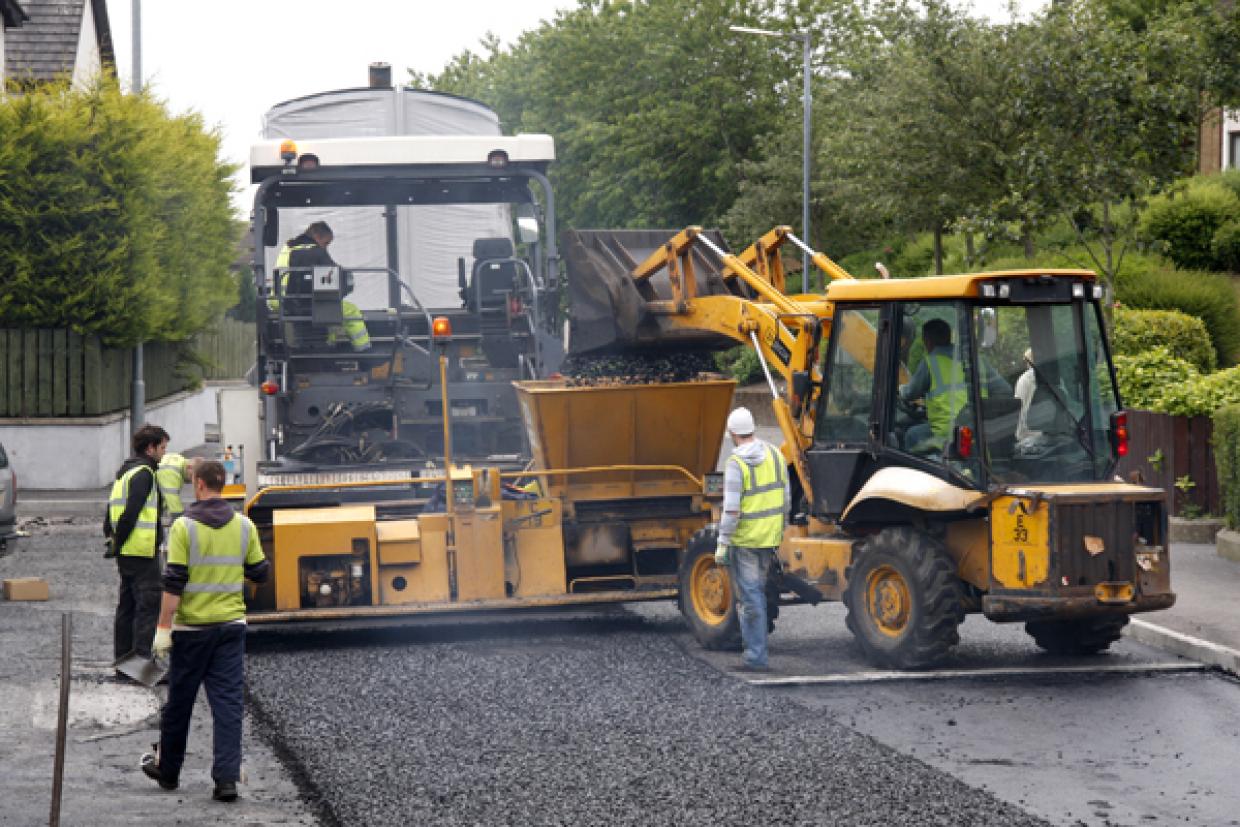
pixel 940 380
pixel 212 551
pixel 133 531
pixel 755 508
pixel 310 250
pixel 173 474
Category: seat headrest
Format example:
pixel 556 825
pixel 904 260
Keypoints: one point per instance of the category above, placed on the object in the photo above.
pixel 485 248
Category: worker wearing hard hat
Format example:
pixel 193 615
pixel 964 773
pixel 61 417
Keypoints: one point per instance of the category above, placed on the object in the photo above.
pixel 755 508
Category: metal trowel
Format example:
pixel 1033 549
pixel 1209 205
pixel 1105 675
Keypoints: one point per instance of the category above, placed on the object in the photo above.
pixel 146 671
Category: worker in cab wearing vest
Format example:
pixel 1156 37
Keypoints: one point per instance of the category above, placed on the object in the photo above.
pixel 939 379
pixel 299 255
pixel 755 508
pixel 212 550
pixel 134 533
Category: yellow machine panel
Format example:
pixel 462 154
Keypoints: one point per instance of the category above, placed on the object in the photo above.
pixel 1019 542
pixel 400 541
pixel 821 561
pixel 427 581
pixel 967 544
pixel 480 554
pixel 317 532
pixel 535 544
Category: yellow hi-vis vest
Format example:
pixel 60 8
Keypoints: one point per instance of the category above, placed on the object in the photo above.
pixel 948 393
pixel 286 252
pixel 141 541
pixel 354 327
pixel 762 502
pixel 215 559
pixel 171 476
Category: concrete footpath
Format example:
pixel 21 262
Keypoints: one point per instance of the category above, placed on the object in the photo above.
pixel 110 723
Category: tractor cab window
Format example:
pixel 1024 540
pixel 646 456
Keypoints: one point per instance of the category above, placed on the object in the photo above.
pixel 933 415
pixel 1053 425
pixel 849 370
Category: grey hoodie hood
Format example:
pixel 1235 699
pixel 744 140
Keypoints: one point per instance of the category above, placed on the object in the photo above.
pixel 213 513
pixel 753 453
pixel 134 462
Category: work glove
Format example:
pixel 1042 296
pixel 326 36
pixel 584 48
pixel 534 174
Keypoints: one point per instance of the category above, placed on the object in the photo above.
pixel 721 554
pixel 163 642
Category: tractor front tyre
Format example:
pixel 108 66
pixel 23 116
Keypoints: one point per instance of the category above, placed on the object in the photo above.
pixel 903 599
pixel 706 597
pixel 1087 636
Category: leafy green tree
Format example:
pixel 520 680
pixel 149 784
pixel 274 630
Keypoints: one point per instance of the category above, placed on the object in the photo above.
pixel 114 216
pixel 654 105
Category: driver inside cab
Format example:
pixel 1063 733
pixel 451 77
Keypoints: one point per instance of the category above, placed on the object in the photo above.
pixel 940 381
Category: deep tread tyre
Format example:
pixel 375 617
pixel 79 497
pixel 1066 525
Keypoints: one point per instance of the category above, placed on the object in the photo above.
pixel 903 598
pixel 706 597
pixel 1087 636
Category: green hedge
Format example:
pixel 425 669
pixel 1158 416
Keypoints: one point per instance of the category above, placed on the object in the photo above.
pixel 115 216
pixel 1184 223
pixel 1208 296
pixel 1136 331
pixel 1227 461
pixel 1158 381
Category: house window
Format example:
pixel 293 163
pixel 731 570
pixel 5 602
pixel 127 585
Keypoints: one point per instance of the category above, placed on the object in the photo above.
pixel 1233 151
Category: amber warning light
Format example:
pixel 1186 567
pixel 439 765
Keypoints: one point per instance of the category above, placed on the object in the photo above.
pixel 288 150
pixel 441 328
pixel 270 388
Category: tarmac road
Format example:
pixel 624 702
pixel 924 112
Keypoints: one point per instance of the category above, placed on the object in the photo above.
pixel 616 716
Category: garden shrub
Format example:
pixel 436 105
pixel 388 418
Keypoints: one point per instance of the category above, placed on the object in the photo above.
pixel 1135 331
pixel 115 216
pixel 1183 223
pixel 741 363
pixel 1226 246
pixel 1208 296
pixel 1227 461
pixel 1144 377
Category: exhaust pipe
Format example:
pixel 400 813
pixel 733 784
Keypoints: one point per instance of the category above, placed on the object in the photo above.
pixel 380 76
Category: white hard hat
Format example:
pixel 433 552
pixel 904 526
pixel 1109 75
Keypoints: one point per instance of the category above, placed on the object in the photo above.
pixel 740 422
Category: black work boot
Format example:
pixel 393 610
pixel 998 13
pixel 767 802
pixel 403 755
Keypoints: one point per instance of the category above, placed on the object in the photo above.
pixel 225 791
pixel 150 766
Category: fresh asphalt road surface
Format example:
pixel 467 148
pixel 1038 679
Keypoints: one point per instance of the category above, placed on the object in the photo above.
pixel 616 716
pixel 1131 741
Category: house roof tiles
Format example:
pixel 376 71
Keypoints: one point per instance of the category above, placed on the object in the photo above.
pixel 45 46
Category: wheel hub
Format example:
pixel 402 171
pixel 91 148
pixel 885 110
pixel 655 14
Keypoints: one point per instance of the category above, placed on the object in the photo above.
pixel 888 600
pixel 712 592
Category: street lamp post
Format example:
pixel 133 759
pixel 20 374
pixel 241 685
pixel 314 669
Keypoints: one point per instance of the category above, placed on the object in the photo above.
pixel 137 402
pixel 806 101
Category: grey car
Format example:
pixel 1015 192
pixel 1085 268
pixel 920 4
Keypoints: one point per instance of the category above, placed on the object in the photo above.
pixel 8 502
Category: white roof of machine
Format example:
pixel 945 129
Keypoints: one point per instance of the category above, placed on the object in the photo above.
pixel 409 149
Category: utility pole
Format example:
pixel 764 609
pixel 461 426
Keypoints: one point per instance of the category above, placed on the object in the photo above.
pixel 137 404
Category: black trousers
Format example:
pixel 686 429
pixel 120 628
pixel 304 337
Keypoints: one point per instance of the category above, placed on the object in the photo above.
pixel 214 657
pixel 137 610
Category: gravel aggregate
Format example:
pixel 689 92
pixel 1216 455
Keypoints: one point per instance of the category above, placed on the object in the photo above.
pixel 637 368
pixel 593 719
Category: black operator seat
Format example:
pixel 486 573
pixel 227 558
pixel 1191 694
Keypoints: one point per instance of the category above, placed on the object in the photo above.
pixel 494 277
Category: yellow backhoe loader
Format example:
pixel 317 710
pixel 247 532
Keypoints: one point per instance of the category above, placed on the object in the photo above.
pixel 997 494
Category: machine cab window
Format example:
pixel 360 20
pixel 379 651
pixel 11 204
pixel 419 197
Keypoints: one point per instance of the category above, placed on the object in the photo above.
pixel 931 412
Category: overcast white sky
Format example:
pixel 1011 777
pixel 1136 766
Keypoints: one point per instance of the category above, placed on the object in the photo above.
pixel 232 59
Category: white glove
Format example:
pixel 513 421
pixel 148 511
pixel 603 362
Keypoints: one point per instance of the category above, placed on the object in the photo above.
pixel 721 555
pixel 163 642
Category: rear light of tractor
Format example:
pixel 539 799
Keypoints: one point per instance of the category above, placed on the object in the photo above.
pixel 515 308
pixel 1119 433
pixel 270 388
pixel 964 441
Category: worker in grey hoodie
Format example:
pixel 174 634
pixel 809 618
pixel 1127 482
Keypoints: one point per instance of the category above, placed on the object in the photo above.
pixel 755 509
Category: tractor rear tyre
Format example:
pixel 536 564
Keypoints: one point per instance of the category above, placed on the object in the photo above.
pixel 1087 636
pixel 706 597
pixel 903 599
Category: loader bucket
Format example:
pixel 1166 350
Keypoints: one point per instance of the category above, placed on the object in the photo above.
pixel 667 424
pixel 607 307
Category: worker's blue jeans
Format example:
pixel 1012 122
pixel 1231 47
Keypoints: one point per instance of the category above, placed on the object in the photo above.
pixel 750 568
pixel 213 657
